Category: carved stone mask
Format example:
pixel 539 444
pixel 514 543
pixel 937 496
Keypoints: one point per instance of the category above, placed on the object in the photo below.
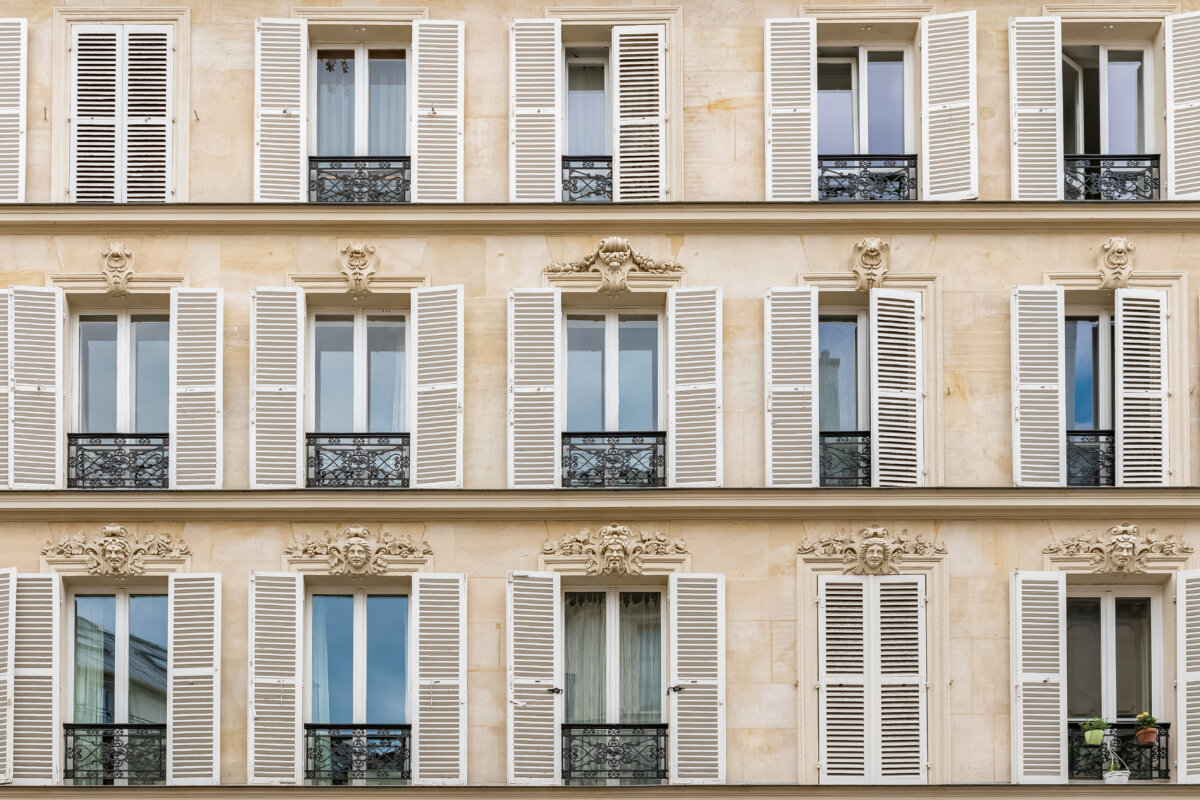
pixel 1123 550
pixel 116 552
pixel 357 553
pixel 874 554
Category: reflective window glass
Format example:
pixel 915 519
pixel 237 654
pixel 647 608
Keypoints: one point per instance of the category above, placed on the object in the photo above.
pixel 1126 102
pixel 1133 641
pixel 838 373
pixel 98 374
pixel 335 102
pixel 584 664
pixel 387 104
pixel 638 373
pixel 586 114
pixel 385 374
pixel 332 669
pixel 885 103
pixel 95 678
pixel 1082 373
pixel 1085 658
pixel 148 659
pixel 585 373
pixel 151 373
pixel 387 659
pixel 835 108
pixel 334 378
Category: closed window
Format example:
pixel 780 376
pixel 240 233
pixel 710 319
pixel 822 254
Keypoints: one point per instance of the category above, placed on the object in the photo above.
pixel 1114 652
pixel 361 93
pixel 359 372
pixel 122 373
pixel 613 372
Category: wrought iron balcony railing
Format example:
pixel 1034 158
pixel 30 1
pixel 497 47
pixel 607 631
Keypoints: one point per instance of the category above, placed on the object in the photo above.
pixel 342 755
pixel 1091 458
pixel 1105 177
pixel 867 177
pixel 845 458
pixel 635 754
pixel 118 461
pixel 614 460
pixel 104 754
pixel 357 460
pixel 359 179
pixel 1145 762
pixel 587 179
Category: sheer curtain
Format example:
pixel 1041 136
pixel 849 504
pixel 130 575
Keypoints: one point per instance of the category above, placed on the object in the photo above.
pixel 95 632
pixel 583 623
pixel 388 106
pixel 641 657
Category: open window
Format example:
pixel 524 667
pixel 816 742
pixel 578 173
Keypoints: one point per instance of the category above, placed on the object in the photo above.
pixel 843 396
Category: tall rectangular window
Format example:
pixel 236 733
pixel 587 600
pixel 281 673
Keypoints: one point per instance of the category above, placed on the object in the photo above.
pixel 359 370
pixel 863 99
pixel 358 641
pixel 839 398
pixel 1114 652
pixel 1089 372
pixel 123 373
pixel 361 100
pixel 587 102
pixel 1105 92
pixel 613 371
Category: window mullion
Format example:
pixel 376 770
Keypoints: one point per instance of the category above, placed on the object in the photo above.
pixel 121 659
pixel 124 375
pixel 1103 99
pixel 360 371
pixel 611 376
pixel 361 112
pixel 360 657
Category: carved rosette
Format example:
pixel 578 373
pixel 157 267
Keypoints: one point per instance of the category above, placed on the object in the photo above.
pixel 870 262
pixel 1121 549
pixel 358 263
pixel 615 549
pixel 872 551
pixel 116 264
pixel 1116 262
pixel 354 550
pixel 115 551
pixel 613 259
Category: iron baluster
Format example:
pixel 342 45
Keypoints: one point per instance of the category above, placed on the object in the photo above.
pixel 614 460
pixel 867 177
pixel 359 179
pixel 845 458
pixel 628 753
pixel 102 754
pixel 340 755
pixel 118 461
pixel 1110 177
pixel 357 460
pixel 1091 458
pixel 587 179
pixel 1145 762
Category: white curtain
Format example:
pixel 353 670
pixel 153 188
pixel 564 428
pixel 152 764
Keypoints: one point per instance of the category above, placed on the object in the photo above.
pixel 583 623
pixel 641 657
pixel 321 683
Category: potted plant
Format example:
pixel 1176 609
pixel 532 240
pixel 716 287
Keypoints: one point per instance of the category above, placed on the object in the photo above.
pixel 1115 770
pixel 1146 732
pixel 1093 730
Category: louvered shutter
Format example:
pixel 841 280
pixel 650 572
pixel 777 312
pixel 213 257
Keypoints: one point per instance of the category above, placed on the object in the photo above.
pixel 439 658
pixel 535 110
pixel 280 99
pixel 949 141
pixel 694 387
pixel 276 393
pixel 1039 705
pixel 842 665
pixel 148 117
pixel 897 396
pixel 437 387
pixel 534 415
pixel 35 431
pixel 437 153
pixel 5 389
pixel 14 40
pixel 1039 413
pixel 639 112
pixel 1141 388
pixel 697 677
pixel 36 689
pixel 1182 35
pixel 193 679
pixel 195 397
pixel 534 651
pixel 8 609
pixel 791 362
pixel 96 94
pixel 791 105
pixel 276 677
pixel 1187 725
pixel 1035 98
pixel 898 611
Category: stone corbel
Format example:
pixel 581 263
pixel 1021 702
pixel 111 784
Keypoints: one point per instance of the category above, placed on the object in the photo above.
pixel 357 276
pixel 114 551
pixel 355 551
pixel 614 267
pixel 870 264
pixel 615 550
pixel 1116 262
pixel 873 550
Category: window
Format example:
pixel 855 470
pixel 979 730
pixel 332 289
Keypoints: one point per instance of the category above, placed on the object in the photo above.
pixel 1114 653
pixel 1088 339
pixel 361 100
pixel 613 372
pixel 843 399
pixel 588 104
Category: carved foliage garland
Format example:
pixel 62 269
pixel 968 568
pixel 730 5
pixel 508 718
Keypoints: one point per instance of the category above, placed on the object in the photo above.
pixel 116 263
pixel 114 551
pixel 870 262
pixel 872 551
pixel 1116 262
pixel 615 549
pixel 1120 549
pixel 614 258
pixel 358 264
pixel 354 550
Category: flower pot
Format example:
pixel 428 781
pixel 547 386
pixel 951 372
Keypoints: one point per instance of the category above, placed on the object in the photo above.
pixel 1146 736
pixel 1094 736
pixel 1117 776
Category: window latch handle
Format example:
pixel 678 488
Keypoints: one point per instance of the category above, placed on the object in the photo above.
pixel 675 688
pixel 554 690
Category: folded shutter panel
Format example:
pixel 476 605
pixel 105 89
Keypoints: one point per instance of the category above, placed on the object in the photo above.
pixel 1182 35
pixel 35 421
pixel 1035 97
pixel 438 653
pixel 1039 413
pixel 949 142
pixel 694 387
pixel 1141 388
pixel 437 153
pixel 900 694
pixel 791 104
pixel 896 389
pixel 639 112
pixel 276 677
pixel 791 361
pixel 534 356
pixel 276 388
pixel 35 702
pixel 96 92
pixel 535 113
pixel 14 40
pixel 8 609
pixel 148 117
pixel 193 679
pixel 535 698
pixel 280 100
pixel 195 397
pixel 1187 725
pixel 697 678
pixel 842 666
pixel 1039 705
pixel 5 389
pixel 437 387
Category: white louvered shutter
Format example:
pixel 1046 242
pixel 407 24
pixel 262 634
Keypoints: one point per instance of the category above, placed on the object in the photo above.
pixel 949 140
pixel 276 388
pixel 96 95
pixel 1039 658
pixel 535 700
pixel 1140 381
pixel 694 387
pixel 8 610
pixel 5 389
pixel 14 39
pixel 437 387
pixel 791 381
pixel 439 657
pixel 899 693
pixel 791 105
pixel 195 397
pixel 639 112
pixel 35 431
pixel 1038 396
pixel 697 678
pixel 276 677
pixel 1187 633
pixel 534 413
pixel 897 393
pixel 280 100
pixel 148 119
pixel 842 666
pixel 1035 100
pixel 535 111
pixel 35 701
pixel 1182 37
pixel 193 679
pixel 437 126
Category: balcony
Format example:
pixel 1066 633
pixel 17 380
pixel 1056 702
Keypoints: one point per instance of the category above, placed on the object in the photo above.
pixel 107 755
pixel 1145 762
pixel 1105 177
pixel 118 461
pixel 1090 458
pixel 614 460
pixel 628 754
pixel 587 179
pixel 359 179
pixel 859 178
pixel 363 755
pixel 845 458
pixel 357 460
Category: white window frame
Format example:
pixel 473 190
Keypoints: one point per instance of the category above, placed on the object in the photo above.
pixel 126 387
pixel 361 387
pixel 362 92
pixel 861 92
pixel 612 391
pixel 1149 99
pixel 862 345
pixel 606 62
pixel 1106 359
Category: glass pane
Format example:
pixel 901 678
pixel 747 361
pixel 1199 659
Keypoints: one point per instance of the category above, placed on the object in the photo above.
pixel 1070 86
pixel 641 657
pixel 95 669
pixel 1132 642
pixel 1082 368
pixel 97 374
pixel 387 659
pixel 838 371
pixel 1084 658
pixel 586 125
pixel 335 102
pixel 637 380
pixel 585 374
pixel 334 345
pixel 1126 104
pixel 835 108
pixel 151 363
pixel 385 374
pixel 885 103
pixel 388 109
pixel 583 657
pixel 148 658
pixel 332 659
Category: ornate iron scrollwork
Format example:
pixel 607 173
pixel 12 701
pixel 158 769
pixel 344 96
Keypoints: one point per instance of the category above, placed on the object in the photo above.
pixel 846 458
pixel 1145 762
pixel 1105 177
pixel 118 461
pixel 587 179
pixel 629 753
pixel 101 754
pixel 373 754
pixel 359 179
pixel 614 460
pixel 357 460
pixel 1091 458
pixel 854 177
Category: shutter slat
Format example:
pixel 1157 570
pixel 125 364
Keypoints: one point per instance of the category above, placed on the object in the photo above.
pixel 193 682
pixel 949 141
pixel 280 100
pixel 1187 725
pixel 1035 91
pixel 14 42
pixel 35 708
pixel 1182 39
pixel 276 683
pixel 196 388
pixel 35 418
pixel 1039 704
pixel 694 385
pixel 534 358
pixel 8 610
pixel 439 660
pixel 437 156
pixel 1141 388
pixel 896 389
pixel 791 361
pixel 534 636
pixel 697 666
pixel 437 387
pixel 276 388
pixel 791 106
pixel 535 110
pixel 1039 413
pixel 639 104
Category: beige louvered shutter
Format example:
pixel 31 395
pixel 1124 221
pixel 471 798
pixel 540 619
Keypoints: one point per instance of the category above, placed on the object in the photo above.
pixel 697 677
pixel 639 113
pixel 949 141
pixel 1038 396
pixel 8 609
pixel 276 677
pixel 437 109
pixel 534 415
pixel 535 111
pixel 36 716
pixel 96 94
pixel 791 380
pixel 897 395
pixel 791 105
pixel 1140 381
pixel 1187 633
pixel 148 119
pixel 1035 100
pixel 276 388
pixel 899 693
pixel 535 698
pixel 5 389
pixel 842 665
pixel 13 43
pixel 1182 37
pixel 280 100
pixel 193 679
pixel 195 397
pixel 694 446
pixel 36 421
pixel 1039 704
pixel 439 659
pixel 437 387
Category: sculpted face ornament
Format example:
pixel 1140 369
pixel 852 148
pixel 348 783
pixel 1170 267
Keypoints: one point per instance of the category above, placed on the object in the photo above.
pixel 115 551
pixel 875 553
pixel 1116 262
pixel 870 262
pixel 872 551
pixel 358 554
pixel 1123 550
pixel 116 263
pixel 614 549
pixel 613 259
pixel 114 547
pixel 350 551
